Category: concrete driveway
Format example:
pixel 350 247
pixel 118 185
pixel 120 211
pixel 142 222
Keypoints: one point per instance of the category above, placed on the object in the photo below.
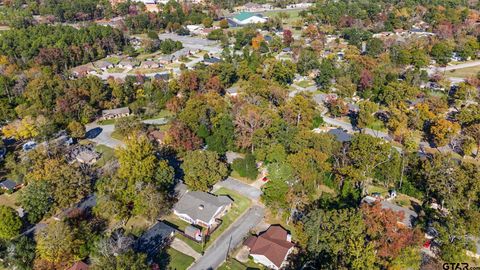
pixel 105 135
pixel 232 237
pixel 240 187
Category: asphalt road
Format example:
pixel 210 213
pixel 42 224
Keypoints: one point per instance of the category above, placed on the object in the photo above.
pixel 453 67
pixel 217 253
pixel 240 187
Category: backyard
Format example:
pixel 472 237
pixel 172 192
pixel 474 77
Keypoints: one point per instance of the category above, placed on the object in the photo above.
pixel 107 154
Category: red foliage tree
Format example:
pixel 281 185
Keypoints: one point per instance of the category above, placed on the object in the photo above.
pixel 366 79
pixel 182 138
pixel 287 37
pixel 385 229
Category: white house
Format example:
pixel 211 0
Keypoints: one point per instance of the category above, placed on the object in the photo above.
pixel 271 248
pixel 202 208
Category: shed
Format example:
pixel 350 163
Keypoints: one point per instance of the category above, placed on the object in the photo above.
pixel 193 232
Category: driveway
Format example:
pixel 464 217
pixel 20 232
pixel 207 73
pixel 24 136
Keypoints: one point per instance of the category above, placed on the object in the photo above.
pixel 240 187
pixel 184 248
pixel 105 135
pixel 232 237
pixel 102 134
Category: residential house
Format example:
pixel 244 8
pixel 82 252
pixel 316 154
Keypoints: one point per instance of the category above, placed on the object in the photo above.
pixel 103 65
pixel 271 248
pixel 84 154
pixel 162 76
pixel 232 91
pixel 128 63
pixel 246 18
pixel 154 239
pixel 202 208
pixel 211 60
pixel 150 64
pixel 115 113
pixel 158 136
pixel 9 185
pixel 82 71
pixel 409 216
pixel 79 266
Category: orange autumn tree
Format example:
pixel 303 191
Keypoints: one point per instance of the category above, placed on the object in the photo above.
pixel 257 42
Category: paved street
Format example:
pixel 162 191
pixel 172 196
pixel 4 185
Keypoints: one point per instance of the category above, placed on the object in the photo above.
pixel 240 187
pixel 432 70
pixel 216 254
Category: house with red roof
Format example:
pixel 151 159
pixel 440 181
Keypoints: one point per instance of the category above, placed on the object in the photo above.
pixel 271 248
pixel 79 266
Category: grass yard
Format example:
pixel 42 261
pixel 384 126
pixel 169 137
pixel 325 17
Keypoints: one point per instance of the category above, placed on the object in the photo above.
pixel 240 205
pixel 174 220
pixel 137 225
pixel 178 260
pixel 292 15
pixel 116 135
pixel 107 154
pixel 377 125
pixel 232 264
pixel 198 247
pixel 305 83
pixel 237 176
pixel 146 70
pixel 115 70
pixel 107 122
pixel 10 200
pixel 464 72
pixel 160 114
pixel 113 59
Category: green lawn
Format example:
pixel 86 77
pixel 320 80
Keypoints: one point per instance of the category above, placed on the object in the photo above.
pixel 146 70
pixel 180 224
pixel 198 247
pixel 464 72
pixel 377 125
pixel 237 176
pixel 107 154
pixel 178 260
pixel 292 15
pixel 305 83
pixel 117 135
pixel 107 122
pixel 232 264
pixel 113 59
pixel 160 114
pixel 115 70
pixel 240 205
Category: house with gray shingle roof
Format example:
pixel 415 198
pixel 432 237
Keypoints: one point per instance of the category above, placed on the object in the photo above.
pixel 409 216
pixel 202 208
pixel 8 185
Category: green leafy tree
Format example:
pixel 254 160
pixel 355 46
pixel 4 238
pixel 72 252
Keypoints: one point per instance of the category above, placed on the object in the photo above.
pixel 10 223
pixel 21 253
pixel 246 167
pixel 441 53
pixel 37 200
pixel 203 169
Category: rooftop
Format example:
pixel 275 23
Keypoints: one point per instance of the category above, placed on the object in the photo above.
pixel 273 244
pixel 201 205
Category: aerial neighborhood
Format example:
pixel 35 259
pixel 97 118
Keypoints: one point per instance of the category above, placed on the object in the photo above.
pixel 174 134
